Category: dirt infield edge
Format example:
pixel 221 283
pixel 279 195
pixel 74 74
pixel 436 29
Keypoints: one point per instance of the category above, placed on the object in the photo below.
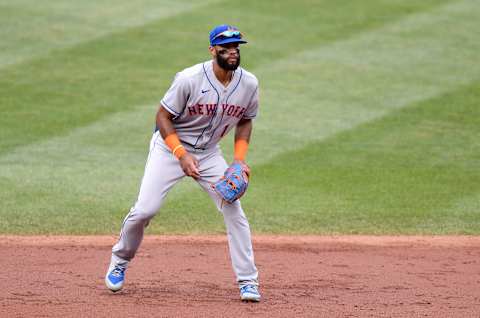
pixel 401 240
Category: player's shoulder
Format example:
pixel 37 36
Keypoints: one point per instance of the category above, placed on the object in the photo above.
pixel 190 73
pixel 249 78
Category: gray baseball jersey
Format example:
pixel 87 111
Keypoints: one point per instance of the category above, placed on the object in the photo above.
pixel 204 110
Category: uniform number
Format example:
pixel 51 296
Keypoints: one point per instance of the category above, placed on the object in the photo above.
pixel 224 131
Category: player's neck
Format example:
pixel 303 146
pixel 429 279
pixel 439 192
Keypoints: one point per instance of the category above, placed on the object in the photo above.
pixel 222 75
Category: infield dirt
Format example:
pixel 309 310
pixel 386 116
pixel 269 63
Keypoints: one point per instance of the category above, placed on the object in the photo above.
pixel 191 276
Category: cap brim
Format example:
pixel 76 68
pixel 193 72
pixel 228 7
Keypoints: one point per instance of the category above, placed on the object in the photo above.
pixel 228 40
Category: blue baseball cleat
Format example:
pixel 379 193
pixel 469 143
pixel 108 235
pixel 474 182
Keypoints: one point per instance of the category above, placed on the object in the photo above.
pixel 115 276
pixel 249 292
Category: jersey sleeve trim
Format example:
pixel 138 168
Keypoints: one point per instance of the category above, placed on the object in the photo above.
pixel 169 108
pixel 251 98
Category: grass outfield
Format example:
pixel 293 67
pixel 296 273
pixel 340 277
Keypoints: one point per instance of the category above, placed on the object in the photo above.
pixel 369 118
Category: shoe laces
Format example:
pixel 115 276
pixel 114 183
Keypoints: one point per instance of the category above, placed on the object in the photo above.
pixel 249 288
pixel 118 270
pixel 244 283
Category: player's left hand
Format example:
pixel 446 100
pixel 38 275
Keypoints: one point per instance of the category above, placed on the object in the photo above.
pixel 234 182
pixel 246 168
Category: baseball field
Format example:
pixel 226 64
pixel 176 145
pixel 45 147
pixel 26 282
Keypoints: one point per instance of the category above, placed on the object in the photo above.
pixel 364 199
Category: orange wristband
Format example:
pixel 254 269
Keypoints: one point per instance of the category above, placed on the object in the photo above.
pixel 241 148
pixel 175 146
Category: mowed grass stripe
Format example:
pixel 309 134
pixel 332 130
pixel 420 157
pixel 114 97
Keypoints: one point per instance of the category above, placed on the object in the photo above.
pixel 414 171
pixel 79 85
pixel 62 184
pixel 30 29
pixel 332 88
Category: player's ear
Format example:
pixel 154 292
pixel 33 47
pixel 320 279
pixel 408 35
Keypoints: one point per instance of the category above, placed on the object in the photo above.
pixel 212 51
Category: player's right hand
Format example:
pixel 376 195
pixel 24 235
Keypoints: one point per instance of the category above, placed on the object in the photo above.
pixel 190 165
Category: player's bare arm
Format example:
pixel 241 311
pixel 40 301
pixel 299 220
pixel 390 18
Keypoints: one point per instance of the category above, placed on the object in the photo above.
pixel 243 131
pixel 187 161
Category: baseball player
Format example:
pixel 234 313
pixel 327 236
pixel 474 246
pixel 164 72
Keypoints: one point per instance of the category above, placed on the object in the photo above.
pixel 201 106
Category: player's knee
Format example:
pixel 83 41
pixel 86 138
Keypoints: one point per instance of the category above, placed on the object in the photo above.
pixel 233 211
pixel 226 207
pixel 146 217
pixel 143 214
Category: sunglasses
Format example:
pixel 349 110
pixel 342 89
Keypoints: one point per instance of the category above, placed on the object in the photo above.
pixel 229 34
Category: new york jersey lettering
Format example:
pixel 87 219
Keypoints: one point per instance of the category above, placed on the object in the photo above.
pixel 209 110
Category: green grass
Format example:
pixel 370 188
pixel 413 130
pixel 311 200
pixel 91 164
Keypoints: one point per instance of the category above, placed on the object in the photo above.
pixel 30 29
pixel 404 173
pixel 368 121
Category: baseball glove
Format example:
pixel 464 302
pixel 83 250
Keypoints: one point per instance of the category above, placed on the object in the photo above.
pixel 233 184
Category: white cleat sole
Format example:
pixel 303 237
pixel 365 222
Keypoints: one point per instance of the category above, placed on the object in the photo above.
pixel 250 298
pixel 113 287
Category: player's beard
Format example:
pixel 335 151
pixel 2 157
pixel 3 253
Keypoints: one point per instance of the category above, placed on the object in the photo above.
pixel 223 63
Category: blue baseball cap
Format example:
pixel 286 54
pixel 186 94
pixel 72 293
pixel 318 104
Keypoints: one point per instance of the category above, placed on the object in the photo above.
pixel 224 34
